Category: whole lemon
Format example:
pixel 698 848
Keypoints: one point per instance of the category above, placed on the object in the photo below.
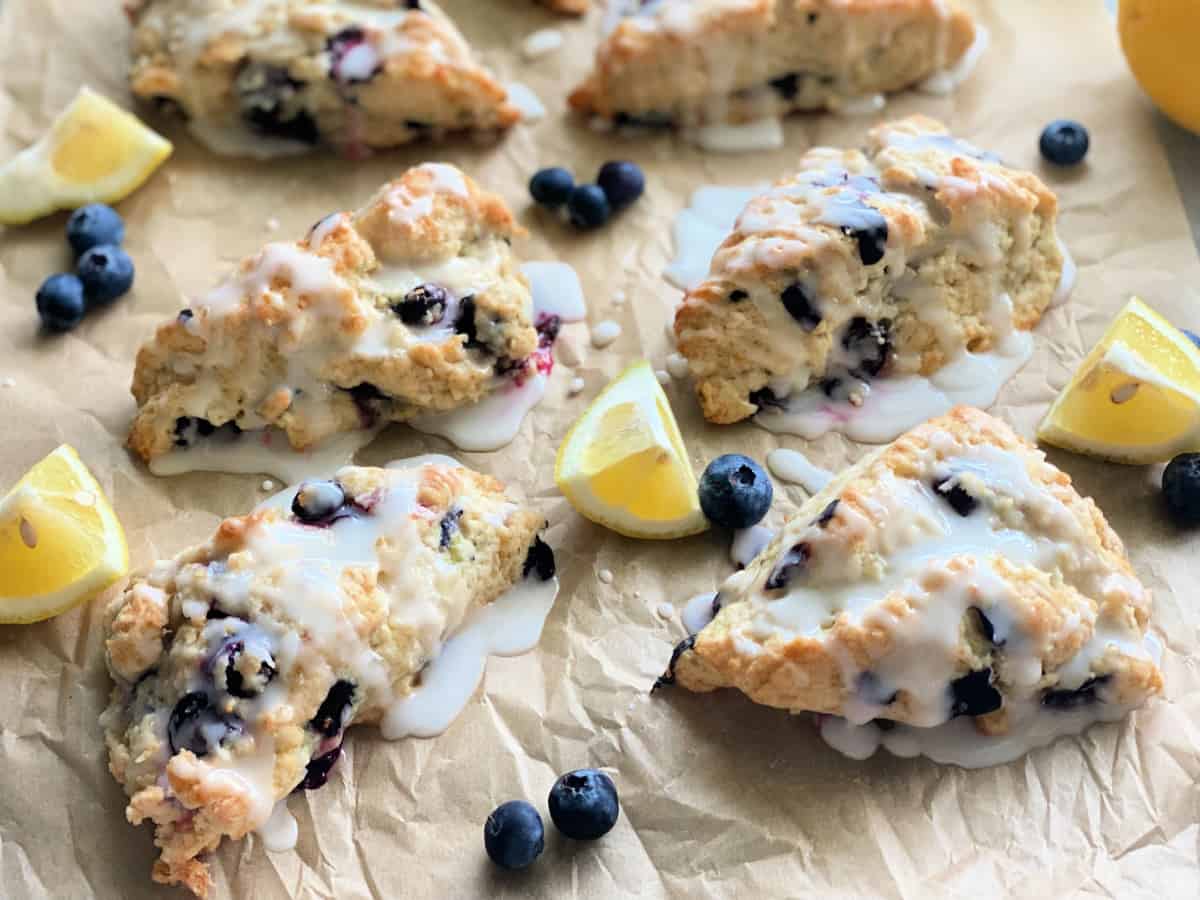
pixel 1161 40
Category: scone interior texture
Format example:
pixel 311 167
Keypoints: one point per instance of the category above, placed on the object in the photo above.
pixel 695 62
pixel 240 663
pixel 415 303
pixel 259 77
pixel 954 575
pixel 894 260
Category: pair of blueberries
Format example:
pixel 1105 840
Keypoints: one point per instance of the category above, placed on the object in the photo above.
pixel 103 271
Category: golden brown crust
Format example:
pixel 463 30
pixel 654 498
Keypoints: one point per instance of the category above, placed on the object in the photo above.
pixel 694 61
pixel 969 251
pixel 907 577
pixel 287 337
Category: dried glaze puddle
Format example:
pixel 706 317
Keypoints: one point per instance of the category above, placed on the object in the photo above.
pixel 928 526
pixel 490 424
pixel 308 565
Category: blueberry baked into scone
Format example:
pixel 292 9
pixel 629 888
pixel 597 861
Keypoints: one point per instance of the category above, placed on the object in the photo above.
pixel 954 576
pixel 698 62
pixel 413 304
pixel 259 77
pixel 894 260
pixel 240 663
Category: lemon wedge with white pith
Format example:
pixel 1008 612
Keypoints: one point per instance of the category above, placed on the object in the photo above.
pixel 1135 398
pixel 95 152
pixel 60 541
pixel 624 466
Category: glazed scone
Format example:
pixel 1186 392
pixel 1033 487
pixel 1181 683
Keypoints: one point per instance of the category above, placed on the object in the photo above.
pixel 954 573
pixel 261 77
pixel 240 663
pixel 890 261
pixel 697 62
pixel 415 303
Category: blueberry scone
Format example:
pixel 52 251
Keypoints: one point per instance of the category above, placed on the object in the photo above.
pixel 696 62
pixel 953 576
pixel 413 304
pixel 895 260
pixel 240 664
pixel 258 77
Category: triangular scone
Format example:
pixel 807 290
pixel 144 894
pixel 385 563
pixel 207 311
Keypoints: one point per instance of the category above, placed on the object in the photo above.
pixel 894 260
pixel 953 573
pixel 692 62
pixel 240 663
pixel 268 76
pixel 414 303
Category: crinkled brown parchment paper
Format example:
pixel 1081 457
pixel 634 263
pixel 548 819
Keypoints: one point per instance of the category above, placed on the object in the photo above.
pixel 720 798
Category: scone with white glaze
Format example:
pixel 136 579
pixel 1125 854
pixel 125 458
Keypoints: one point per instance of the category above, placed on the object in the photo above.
pixel 240 663
pixel 264 77
pixel 697 62
pixel 413 304
pixel 954 574
pixel 894 260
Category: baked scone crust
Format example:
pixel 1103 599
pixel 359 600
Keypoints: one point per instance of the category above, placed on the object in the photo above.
pixel 309 337
pixel 693 62
pixel 372 74
pixel 921 238
pixel 350 626
pixel 922 546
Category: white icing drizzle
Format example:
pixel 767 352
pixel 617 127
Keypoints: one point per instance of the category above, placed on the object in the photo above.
pixel 677 365
pixel 491 423
pixel 509 626
pixel 265 452
pixel 701 227
pixel 280 831
pixel 759 135
pixel 604 333
pixel 698 612
pixel 1066 282
pixel 866 105
pixel 523 98
pixel 748 543
pixel 793 466
pixel 541 43
pixel 556 290
pixel 947 80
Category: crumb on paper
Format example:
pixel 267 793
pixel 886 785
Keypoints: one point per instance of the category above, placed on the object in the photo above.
pixel 605 576
pixel 268 485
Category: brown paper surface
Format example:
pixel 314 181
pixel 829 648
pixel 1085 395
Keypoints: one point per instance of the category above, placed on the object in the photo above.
pixel 720 798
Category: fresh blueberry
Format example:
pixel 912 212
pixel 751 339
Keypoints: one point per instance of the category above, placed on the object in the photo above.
pixel 1181 489
pixel 60 302
pixel 974 695
pixel 93 225
pixel 801 306
pixel 106 272
pixel 514 835
pixel 423 305
pixel 539 559
pixel 196 725
pixel 1064 143
pixel 318 501
pixel 551 187
pixel 588 206
pixel 331 715
pixel 1192 336
pixel 735 492
pixel 956 495
pixel 584 804
pixel 622 182
pixel 316 773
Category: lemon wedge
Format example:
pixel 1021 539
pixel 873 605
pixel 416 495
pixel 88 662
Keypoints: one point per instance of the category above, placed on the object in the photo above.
pixel 624 466
pixel 95 152
pixel 60 541
pixel 1135 398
